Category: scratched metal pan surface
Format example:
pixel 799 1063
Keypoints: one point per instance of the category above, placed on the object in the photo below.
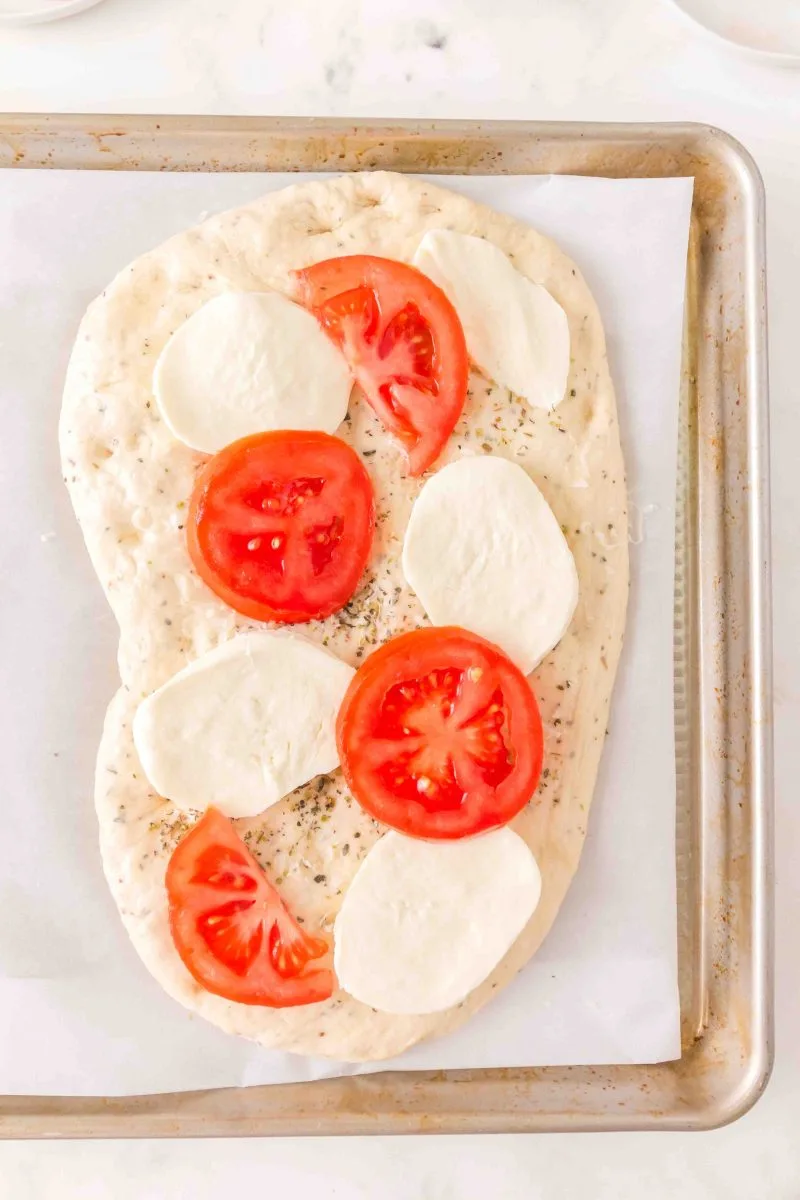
pixel 722 639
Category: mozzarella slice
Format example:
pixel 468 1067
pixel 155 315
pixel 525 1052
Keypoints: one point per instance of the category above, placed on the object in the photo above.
pixel 516 332
pixel 423 923
pixel 245 363
pixel 483 550
pixel 243 725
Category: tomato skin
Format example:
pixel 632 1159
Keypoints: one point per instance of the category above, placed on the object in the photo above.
pixel 440 736
pixel 224 523
pixel 404 343
pixel 256 953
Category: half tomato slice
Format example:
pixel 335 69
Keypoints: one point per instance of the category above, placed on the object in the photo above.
pixel 403 341
pixel 230 927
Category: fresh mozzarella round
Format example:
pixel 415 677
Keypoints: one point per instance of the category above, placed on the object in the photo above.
pixel 248 362
pixel 516 332
pixel 243 725
pixel 423 923
pixel 483 550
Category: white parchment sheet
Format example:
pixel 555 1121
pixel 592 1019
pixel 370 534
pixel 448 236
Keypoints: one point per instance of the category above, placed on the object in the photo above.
pixel 79 1014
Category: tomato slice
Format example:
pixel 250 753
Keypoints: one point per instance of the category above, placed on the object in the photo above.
pixel 232 930
pixel 403 341
pixel 439 735
pixel 280 525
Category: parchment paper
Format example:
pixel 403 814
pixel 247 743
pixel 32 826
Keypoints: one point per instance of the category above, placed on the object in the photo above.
pixel 79 1014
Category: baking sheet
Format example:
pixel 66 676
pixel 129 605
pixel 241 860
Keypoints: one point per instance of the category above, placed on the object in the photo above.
pixel 80 1013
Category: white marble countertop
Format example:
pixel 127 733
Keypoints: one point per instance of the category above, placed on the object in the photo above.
pixel 544 59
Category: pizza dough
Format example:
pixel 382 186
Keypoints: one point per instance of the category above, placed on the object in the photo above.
pixel 130 481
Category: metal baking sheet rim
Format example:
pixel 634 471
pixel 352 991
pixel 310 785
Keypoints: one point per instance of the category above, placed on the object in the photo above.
pixel 725 785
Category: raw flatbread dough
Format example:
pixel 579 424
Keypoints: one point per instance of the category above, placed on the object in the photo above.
pixel 130 481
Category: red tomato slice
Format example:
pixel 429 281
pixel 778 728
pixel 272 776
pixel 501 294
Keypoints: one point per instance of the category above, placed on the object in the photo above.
pixel 280 525
pixel 440 736
pixel 232 930
pixel 403 341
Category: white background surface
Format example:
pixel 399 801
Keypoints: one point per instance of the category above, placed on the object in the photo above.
pixel 560 59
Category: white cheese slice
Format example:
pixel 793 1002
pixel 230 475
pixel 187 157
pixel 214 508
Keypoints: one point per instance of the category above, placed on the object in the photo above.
pixel 423 923
pixel 245 363
pixel 517 334
pixel 244 725
pixel 483 550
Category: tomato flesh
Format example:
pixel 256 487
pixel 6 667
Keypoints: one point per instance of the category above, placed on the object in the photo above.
pixel 280 525
pixel 403 341
pixel 232 930
pixel 440 735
